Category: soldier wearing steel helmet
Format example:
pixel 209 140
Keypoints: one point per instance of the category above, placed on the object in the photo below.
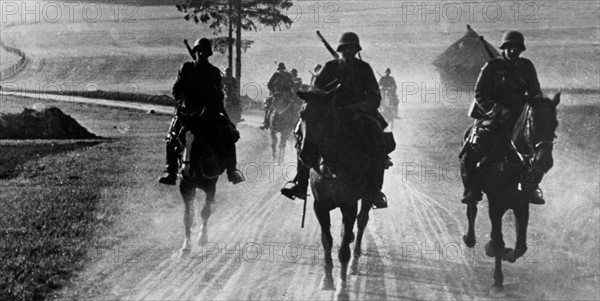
pixel 358 99
pixel 387 83
pixel 279 85
pixel 198 92
pixel 502 89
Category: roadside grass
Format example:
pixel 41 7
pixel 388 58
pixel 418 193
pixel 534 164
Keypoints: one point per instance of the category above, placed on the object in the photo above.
pixel 60 202
pixel 51 212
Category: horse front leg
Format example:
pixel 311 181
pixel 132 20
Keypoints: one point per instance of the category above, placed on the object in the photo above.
pixel 273 145
pixel 469 238
pixel 348 217
pixel 282 143
pixel 327 242
pixel 495 247
pixel 205 214
pixel 362 220
pixel 521 212
pixel 188 192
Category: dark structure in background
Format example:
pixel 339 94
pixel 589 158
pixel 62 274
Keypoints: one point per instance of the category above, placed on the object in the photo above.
pixel 461 63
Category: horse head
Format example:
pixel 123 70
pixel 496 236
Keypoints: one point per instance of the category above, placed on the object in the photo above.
pixel 540 128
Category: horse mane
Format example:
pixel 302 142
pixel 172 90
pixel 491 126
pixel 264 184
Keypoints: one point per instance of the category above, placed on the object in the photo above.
pixel 335 143
pixel 521 128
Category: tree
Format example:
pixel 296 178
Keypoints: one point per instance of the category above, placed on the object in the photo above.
pixel 239 15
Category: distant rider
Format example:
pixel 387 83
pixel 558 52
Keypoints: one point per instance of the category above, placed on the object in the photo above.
pixel 279 87
pixel 232 101
pixel 388 84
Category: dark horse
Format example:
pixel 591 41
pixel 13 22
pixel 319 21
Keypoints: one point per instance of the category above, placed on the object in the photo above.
pixel 337 181
pixel 202 165
pixel 283 120
pixel 532 140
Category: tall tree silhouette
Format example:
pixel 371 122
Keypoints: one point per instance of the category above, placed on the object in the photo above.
pixel 237 15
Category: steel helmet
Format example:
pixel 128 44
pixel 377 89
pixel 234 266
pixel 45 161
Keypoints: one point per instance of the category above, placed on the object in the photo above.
pixel 281 66
pixel 512 37
pixel 388 71
pixel 348 38
pixel 203 45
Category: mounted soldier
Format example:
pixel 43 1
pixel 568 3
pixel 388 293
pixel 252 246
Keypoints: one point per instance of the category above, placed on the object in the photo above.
pixel 388 84
pixel 232 101
pixel 280 85
pixel 504 86
pixel 199 94
pixel 357 99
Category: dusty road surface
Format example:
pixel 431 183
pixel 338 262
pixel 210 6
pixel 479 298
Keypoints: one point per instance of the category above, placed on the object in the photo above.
pixel 412 250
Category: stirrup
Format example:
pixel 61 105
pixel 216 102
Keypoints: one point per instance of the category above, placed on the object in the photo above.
pixel 292 191
pixel 168 179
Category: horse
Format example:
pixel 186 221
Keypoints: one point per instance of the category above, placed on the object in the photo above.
pixel 388 107
pixel 201 167
pixel 326 142
pixel 234 108
pixel 532 142
pixel 282 120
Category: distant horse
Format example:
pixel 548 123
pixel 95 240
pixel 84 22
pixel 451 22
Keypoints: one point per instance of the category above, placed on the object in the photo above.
pixel 532 141
pixel 388 107
pixel 283 120
pixel 337 181
pixel 233 107
pixel 201 167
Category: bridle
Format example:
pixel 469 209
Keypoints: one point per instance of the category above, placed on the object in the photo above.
pixel 527 159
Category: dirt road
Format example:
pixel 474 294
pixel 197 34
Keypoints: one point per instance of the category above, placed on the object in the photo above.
pixel 257 250
pixel 412 250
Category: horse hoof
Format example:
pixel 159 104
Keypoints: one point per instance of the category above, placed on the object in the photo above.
pixel 185 252
pixel 202 239
pixel 342 296
pixel 341 293
pixel 469 241
pixel 490 251
pixel 354 269
pixel 327 284
pixel 508 254
pixel 497 291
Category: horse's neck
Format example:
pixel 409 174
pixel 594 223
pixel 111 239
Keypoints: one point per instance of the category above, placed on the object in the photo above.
pixel 520 135
pixel 187 151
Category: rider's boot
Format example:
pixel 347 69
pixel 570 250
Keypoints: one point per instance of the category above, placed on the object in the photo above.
pixel 472 192
pixel 233 174
pixel 375 196
pixel 298 187
pixel 531 191
pixel 169 176
pixel 266 122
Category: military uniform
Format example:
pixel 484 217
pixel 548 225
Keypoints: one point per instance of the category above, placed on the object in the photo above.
pixel 199 94
pixel 502 90
pixel 388 83
pixel 232 104
pixel 358 98
pixel 279 85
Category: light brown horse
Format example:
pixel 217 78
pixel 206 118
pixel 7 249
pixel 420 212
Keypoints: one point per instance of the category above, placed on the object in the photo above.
pixel 532 137
pixel 337 181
